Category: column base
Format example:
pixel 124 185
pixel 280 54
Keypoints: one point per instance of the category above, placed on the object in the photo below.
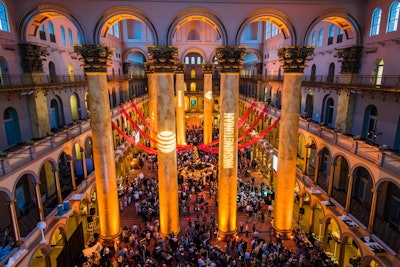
pixel 283 234
pixel 110 241
pixel 222 236
pixel 166 236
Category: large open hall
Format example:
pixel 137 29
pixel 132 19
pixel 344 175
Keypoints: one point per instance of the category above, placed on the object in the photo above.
pixel 199 133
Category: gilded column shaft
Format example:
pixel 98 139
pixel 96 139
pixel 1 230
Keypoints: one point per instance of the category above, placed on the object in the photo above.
pixel 180 104
pixel 230 61
pixel 164 60
pixel 96 59
pixel 208 103
pixel 293 60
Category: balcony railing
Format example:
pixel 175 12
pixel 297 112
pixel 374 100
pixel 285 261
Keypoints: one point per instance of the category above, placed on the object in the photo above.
pixel 11 81
pixel 34 79
pixel 373 81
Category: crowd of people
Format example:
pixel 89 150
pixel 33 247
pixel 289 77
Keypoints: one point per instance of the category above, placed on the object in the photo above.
pixel 198 243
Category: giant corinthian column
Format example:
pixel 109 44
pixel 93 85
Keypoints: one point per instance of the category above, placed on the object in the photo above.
pixel 164 60
pixel 293 60
pixel 96 59
pixel 230 61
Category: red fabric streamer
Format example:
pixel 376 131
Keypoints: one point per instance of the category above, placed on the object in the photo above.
pixel 259 136
pixel 142 118
pixel 254 124
pixel 132 141
pixel 246 115
pixel 145 135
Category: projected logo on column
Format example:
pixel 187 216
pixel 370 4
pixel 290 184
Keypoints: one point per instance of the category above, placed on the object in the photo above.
pixel 228 140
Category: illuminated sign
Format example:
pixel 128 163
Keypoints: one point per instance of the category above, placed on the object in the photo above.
pixel 166 141
pixel 229 140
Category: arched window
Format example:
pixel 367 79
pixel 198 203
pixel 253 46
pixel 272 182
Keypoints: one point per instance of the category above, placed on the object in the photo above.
pixel 320 37
pixel 11 124
pixel 329 107
pixel 375 22
pixel 331 34
pixel 370 123
pixel 63 39
pixel 116 30
pixel 70 37
pixel 308 111
pixel 42 32
pixel 75 107
pixel 312 41
pixel 4 24
pixel 331 73
pixel 267 30
pixel 339 35
pixel 377 72
pixel 313 71
pixel 192 74
pixel 52 72
pixel 393 17
pixel 51 32
pixel 275 30
pixel 55 114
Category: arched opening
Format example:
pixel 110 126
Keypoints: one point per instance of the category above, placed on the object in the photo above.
pixel 52 72
pixel 11 125
pixel 75 107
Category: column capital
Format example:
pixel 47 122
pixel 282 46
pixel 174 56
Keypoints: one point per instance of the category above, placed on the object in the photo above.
pixel 32 56
pixel 163 58
pixel 230 58
pixel 180 68
pixel 95 58
pixel 350 57
pixel 294 58
pixel 148 67
pixel 207 67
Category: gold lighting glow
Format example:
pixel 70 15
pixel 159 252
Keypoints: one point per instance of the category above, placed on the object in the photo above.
pixel 208 95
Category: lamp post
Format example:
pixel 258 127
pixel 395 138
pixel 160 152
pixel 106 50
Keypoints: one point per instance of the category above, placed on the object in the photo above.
pixel 41 225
